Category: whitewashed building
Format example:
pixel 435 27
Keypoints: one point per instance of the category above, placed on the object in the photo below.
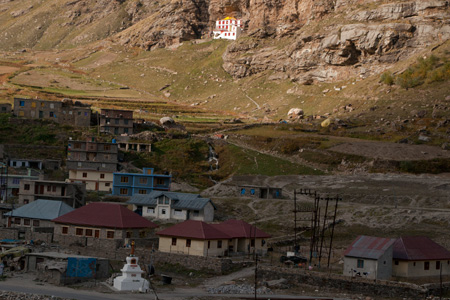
pixel 228 28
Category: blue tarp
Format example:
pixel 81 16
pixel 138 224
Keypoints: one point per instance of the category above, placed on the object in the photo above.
pixel 81 267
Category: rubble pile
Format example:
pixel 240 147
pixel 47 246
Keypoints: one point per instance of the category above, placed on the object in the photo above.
pixel 238 289
pixel 24 296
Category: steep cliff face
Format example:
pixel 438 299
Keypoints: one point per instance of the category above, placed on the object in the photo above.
pixel 341 40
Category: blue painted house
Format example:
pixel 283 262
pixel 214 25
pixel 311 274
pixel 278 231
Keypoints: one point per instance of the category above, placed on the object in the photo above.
pixel 129 184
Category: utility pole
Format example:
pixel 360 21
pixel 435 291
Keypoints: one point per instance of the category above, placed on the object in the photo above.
pixel 332 229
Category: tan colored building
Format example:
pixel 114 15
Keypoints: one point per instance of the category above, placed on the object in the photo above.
pixel 73 194
pixel 92 163
pixel 62 112
pixel 201 239
pixel 420 257
pixel 99 220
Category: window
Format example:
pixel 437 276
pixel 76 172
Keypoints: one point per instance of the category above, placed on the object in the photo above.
pixel 188 243
pixel 79 113
pixel 438 264
pixel 163 211
pixel 143 180
pixel 79 231
pixel 160 181
pixel 123 191
pixel 107 184
pixel 166 201
pixel 174 241
pixel 96 233
pixel 252 243
pixel 196 213
pixel 219 244
pixel 84 175
pixel 16 180
pixel 88 232
pixel 107 147
pixel 426 265
pixel 22 103
pixel 13 163
pixel 116 121
pixel 107 156
pixel 102 176
pixel 33 104
pixel 360 263
pixel 124 179
pixel 396 262
pixel 150 210
pixel 64 230
pixel 21 113
pixel 178 212
pixel 142 192
pixel 77 145
pixel 42 104
pixel 86 114
pixel 26 222
pixel 54 188
pixel 52 105
pixel 142 234
pixel 129 233
pixel 110 234
pixel 51 114
pixel 26 187
pixel 209 244
pixel 125 122
pixel 17 221
pixel 49 188
pixel 125 130
pixel 160 201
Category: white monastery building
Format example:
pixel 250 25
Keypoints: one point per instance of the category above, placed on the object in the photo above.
pixel 228 28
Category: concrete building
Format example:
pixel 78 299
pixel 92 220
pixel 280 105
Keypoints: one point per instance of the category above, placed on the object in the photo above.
pixel 63 112
pixel 73 194
pixel 369 257
pixel 92 163
pixel 5 108
pixel 135 147
pixel 419 256
pixel 228 28
pixel 37 214
pixel 201 239
pixel 116 121
pixel 104 222
pixel 129 184
pixel 11 183
pixel 39 164
pixel 173 206
pixel 263 192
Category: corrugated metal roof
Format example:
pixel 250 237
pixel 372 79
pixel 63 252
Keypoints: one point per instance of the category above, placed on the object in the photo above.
pixel 194 230
pixel 369 247
pixel 42 209
pixel 241 229
pixel 105 215
pixel 180 200
pixel 419 248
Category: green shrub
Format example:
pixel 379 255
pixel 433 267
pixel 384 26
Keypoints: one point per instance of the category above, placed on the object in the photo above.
pixel 387 78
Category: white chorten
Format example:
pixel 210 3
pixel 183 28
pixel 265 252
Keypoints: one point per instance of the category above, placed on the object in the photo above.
pixel 131 279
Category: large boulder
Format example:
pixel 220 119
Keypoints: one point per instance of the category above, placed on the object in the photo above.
pixel 166 121
pixel 295 112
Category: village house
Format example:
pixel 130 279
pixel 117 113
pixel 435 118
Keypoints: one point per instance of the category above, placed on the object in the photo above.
pixel 92 163
pixel 419 256
pixel 263 192
pixel 73 194
pixel 134 146
pixel 39 164
pixel 228 28
pixel 36 214
pixel 11 182
pixel 173 206
pixel 110 223
pixel 129 184
pixel 5 108
pixel 202 239
pixel 116 121
pixel 63 112
pixel 369 257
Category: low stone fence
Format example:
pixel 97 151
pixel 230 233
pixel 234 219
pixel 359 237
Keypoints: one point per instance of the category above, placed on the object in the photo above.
pixel 387 289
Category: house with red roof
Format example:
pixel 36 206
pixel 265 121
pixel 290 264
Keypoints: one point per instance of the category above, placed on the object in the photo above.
pixel 419 256
pixel 202 239
pixel 101 222
pixel 369 257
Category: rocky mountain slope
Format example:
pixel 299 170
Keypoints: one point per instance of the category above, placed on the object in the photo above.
pixel 305 41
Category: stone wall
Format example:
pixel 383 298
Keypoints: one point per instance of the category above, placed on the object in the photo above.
pixel 387 289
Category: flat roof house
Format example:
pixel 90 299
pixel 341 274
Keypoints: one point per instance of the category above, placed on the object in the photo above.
pixel 129 184
pixel 173 206
pixel 369 257
pixel 419 256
